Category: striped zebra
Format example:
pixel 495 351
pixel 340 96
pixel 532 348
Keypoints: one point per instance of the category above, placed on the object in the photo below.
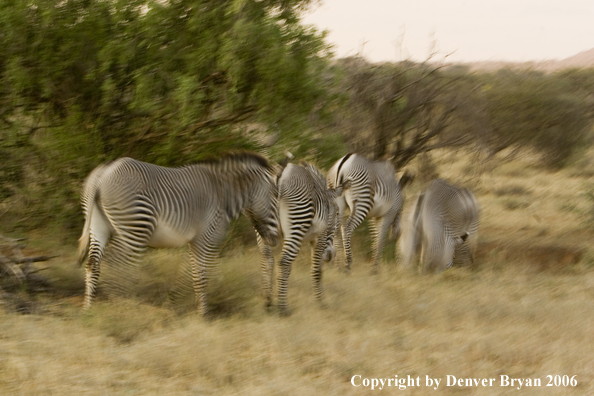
pixel 130 205
pixel 373 193
pixel 307 213
pixel 443 227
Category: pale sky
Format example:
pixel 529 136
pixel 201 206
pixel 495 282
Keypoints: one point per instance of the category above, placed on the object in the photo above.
pixel 472 30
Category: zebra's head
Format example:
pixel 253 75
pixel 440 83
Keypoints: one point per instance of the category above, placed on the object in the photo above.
pixel 329 251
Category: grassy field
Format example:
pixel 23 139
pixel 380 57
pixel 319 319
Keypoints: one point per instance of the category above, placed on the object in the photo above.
pixel 525 311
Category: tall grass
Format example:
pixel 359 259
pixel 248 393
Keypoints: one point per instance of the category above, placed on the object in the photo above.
pixel 504 318
pixel 525 311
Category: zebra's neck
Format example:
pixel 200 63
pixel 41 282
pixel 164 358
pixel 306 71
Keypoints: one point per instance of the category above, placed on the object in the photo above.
pixel 236 182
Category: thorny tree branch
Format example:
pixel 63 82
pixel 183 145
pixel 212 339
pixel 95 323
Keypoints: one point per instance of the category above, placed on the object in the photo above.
pixel 395 116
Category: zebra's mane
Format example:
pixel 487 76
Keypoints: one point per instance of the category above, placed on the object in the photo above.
pixel 315 172
pixel 237 157
pixel 240 169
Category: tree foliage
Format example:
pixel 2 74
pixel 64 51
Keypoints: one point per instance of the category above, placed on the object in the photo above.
pixel 85 81
pixel 165 76
pixel 173 81
pixel 397 111
pixel 547 112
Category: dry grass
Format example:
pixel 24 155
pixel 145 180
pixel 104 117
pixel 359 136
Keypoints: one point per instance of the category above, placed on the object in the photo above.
pixel 525 312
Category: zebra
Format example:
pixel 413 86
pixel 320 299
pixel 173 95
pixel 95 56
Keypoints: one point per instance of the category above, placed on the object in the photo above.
pixel 444 226
pixel 373 192
pixel 308 213
pixel 132 204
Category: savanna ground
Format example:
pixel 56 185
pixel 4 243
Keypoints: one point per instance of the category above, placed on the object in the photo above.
pixel 525 310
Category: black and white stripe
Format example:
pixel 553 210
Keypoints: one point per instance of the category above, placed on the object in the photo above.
pixel 307 213
pixel 373 192
pixel 131 205
pixel 443 227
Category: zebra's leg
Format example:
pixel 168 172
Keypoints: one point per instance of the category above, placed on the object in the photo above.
pixel 339 257
pixel 122 258
pixel 434 240
pixel 410 245
pixel 428 247
pixel 92 270
pixel 356 217
pixel 446 259
pixel 379 229
pixel 462 257
pixel 291 247
pixel 133 227
pixel 438 252
pixel 267 269
pixel 472 242
pixel 318 245
pixel 122 261
pixel 99 234
pixel 346 243
pixel 396 228
pixel 202 260
pixel 204 250
pixel 340 253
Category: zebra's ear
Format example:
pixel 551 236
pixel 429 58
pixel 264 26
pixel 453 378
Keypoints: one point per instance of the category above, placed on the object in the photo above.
pixel 285 161
pixel 282 164
pixel 346 184
pixel 340 189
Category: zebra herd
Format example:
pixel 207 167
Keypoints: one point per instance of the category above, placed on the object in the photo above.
pixel 131 205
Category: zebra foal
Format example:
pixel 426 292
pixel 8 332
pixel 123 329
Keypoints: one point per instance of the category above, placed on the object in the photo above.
pixel 130 205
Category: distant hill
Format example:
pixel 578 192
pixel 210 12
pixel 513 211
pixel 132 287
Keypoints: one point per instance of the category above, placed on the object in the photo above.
pixel 583 59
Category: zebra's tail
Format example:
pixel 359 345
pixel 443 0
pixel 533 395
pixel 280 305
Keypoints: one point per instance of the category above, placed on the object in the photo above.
pixel 89 196
pixel 85 239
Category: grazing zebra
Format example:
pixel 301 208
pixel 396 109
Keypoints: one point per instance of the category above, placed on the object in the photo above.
pixel 443 227
pixel 133 204
pixel 307 213
pixel 374 192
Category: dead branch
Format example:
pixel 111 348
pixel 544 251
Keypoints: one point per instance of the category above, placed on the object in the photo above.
pixel 14 264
